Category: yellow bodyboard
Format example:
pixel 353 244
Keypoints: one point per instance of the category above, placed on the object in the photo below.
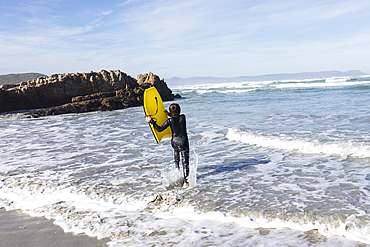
pixel 153 107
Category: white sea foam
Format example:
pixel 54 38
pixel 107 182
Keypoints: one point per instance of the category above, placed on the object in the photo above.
pixel 130 224
pixel 361 150
pixel 250 86
pixel 238 91
pixel 328 83
pixel 285 168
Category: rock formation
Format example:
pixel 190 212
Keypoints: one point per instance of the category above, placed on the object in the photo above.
pixel 150 79
pixel 80 92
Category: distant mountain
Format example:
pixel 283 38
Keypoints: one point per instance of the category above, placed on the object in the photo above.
pixel 269 77
pixel 17 78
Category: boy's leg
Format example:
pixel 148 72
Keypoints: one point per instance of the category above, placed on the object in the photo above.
pixel 185 164
pixel 177 158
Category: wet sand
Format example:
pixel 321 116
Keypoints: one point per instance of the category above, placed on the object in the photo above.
pixel 19 229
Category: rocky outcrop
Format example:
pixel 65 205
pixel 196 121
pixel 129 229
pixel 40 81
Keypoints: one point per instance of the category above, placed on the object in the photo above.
pixel 150 79
pixel 106 101
pixel 80 92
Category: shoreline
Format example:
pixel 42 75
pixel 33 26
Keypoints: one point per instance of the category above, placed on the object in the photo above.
pixel 20 229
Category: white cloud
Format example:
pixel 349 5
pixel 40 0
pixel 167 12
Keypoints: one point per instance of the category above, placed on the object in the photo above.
pixel 191 38
pixel 107 12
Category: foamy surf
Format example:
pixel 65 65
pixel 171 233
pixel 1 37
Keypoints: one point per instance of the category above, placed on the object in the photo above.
pixel 256 86
pixel 174 178
pixel 168 218
pixel 293 169
pixel 361 150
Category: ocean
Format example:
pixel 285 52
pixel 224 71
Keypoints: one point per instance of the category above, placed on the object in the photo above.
pixel 273 163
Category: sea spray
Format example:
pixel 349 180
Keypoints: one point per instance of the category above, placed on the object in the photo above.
pixel 174 178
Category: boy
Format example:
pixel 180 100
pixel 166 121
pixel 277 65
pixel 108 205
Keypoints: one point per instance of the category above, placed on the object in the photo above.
pixel 179 141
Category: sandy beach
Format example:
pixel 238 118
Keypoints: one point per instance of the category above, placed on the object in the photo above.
pixel 19 229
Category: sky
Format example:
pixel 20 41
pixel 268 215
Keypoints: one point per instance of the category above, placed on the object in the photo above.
pixel 184 38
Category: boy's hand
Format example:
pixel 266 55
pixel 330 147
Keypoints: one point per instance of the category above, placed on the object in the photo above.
pixel 148 118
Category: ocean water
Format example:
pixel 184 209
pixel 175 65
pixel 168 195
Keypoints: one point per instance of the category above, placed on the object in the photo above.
pixel 273 163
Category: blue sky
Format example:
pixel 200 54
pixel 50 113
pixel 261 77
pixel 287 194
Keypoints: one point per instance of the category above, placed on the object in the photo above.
pixel 221 38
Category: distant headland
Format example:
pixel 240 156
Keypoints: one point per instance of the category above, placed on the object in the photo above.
pixel 17 78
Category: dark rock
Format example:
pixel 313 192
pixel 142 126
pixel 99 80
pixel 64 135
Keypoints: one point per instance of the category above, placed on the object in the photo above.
pixel 90 103
pixel 150 79
pixel 80 92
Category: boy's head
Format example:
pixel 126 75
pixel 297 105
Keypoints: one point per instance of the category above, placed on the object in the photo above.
pixel 174 110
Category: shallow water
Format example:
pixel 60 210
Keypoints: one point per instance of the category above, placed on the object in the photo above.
pixel 272 163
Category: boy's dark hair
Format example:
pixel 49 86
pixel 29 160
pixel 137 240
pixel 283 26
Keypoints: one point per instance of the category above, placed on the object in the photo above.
pixel 174 110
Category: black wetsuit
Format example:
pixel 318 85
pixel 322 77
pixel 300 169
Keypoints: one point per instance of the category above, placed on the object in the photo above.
pixel 179 141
